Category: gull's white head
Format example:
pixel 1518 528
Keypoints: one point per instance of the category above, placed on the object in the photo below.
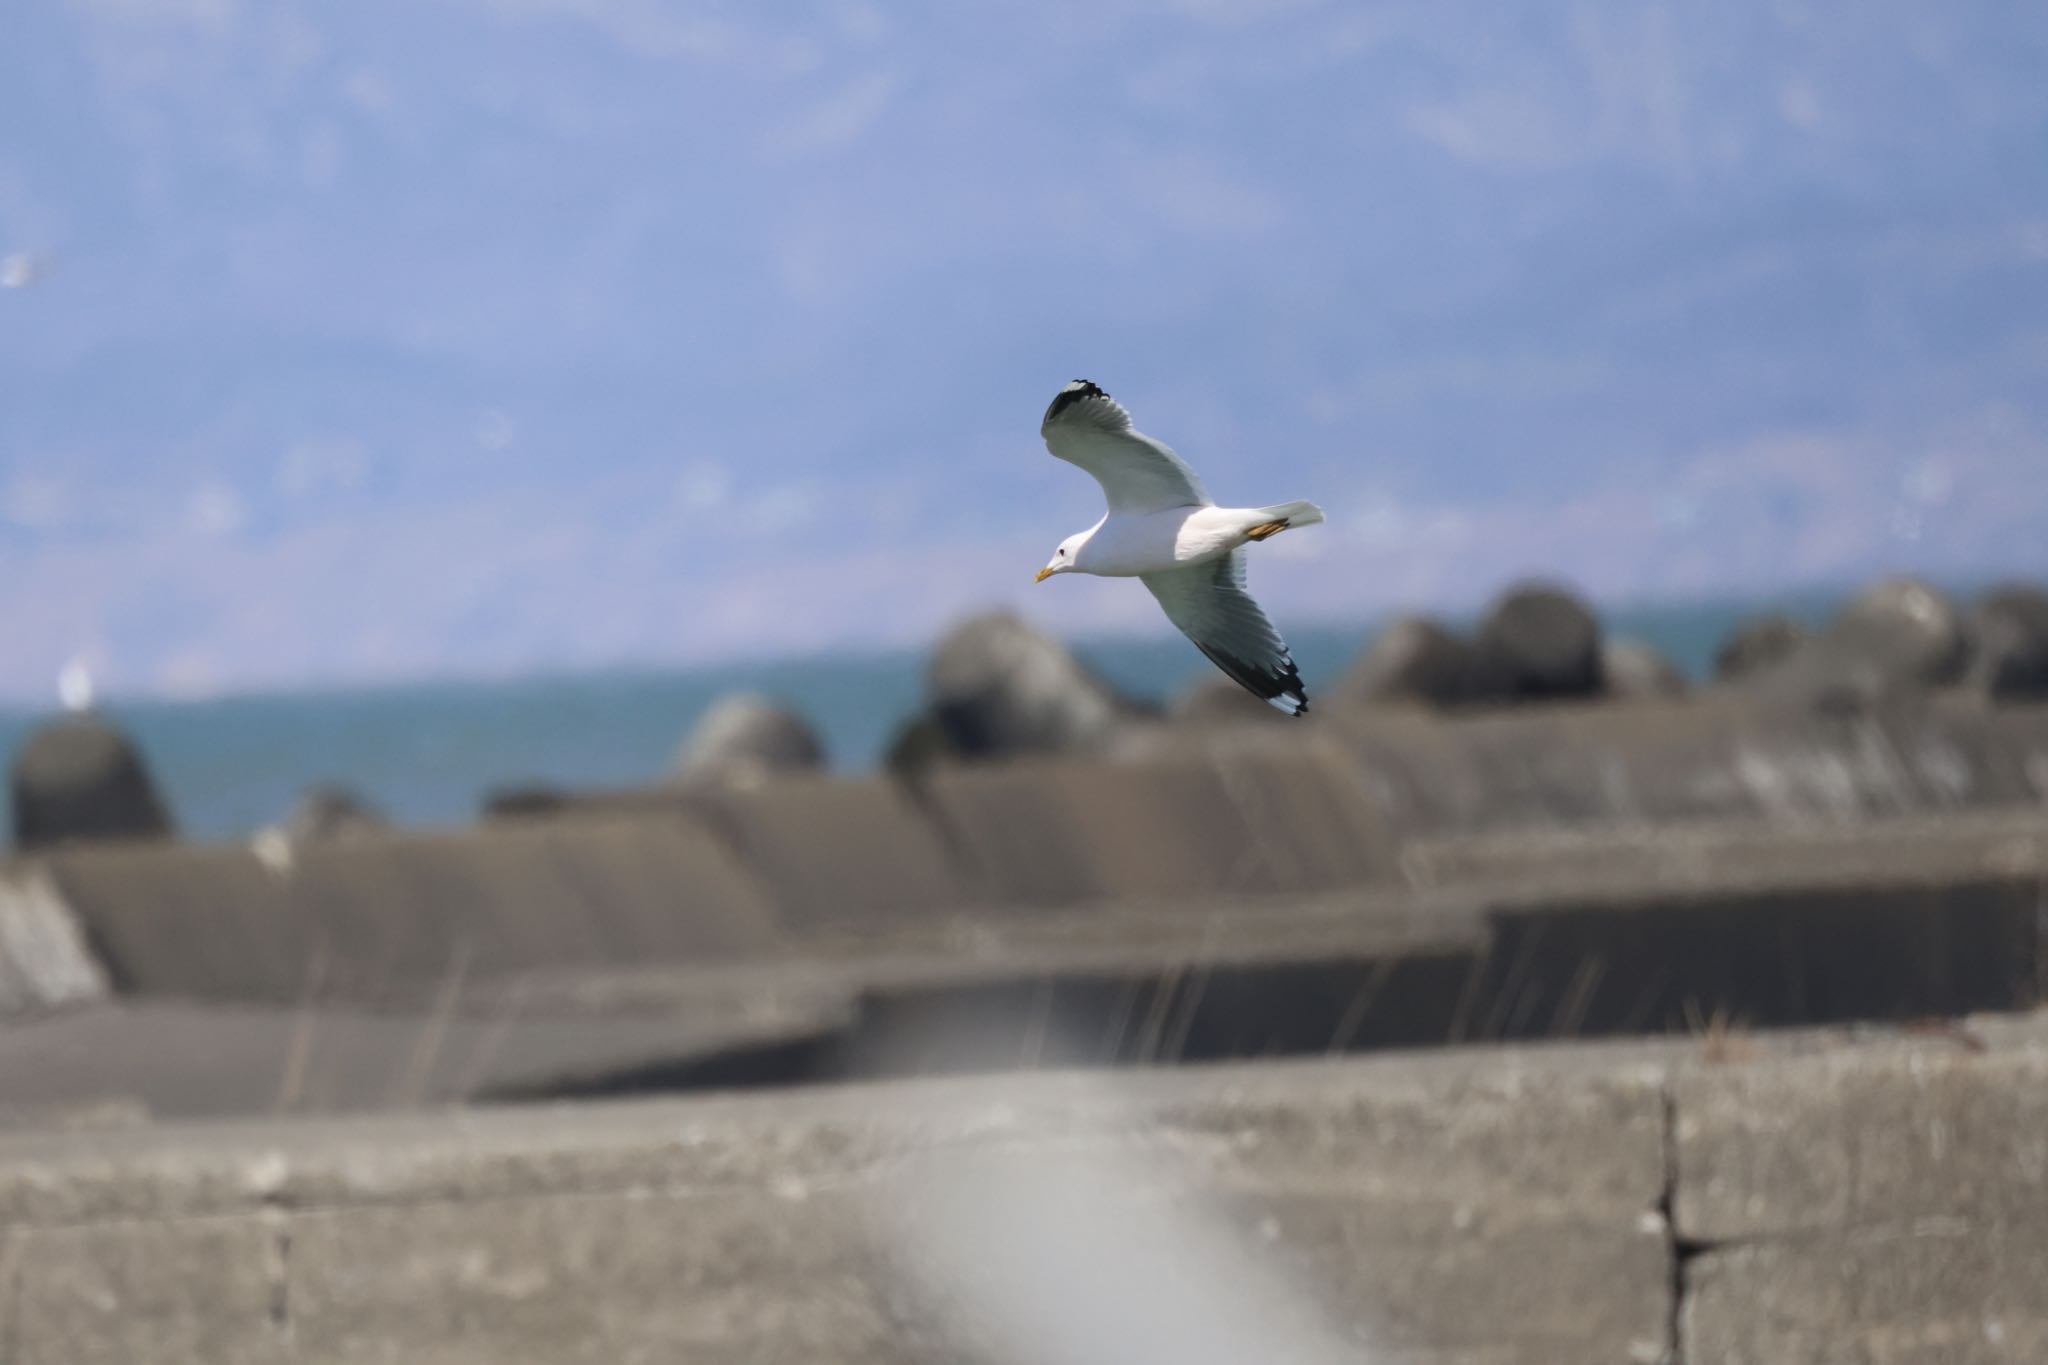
pixel 1064 559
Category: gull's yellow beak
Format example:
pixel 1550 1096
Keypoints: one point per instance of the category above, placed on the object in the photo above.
pixel 1043 574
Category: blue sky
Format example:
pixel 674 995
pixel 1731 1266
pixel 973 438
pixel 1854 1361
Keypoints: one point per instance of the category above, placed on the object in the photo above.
pixel 420 337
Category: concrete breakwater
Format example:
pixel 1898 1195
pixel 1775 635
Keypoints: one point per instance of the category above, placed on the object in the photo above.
pixel 1398 882
pixel 1705 1026
pixel 1799 1198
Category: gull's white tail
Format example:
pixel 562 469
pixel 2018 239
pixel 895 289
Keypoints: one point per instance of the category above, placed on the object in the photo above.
pixel 1293 513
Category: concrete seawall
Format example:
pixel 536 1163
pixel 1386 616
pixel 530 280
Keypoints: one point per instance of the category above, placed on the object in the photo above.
pixel 674 876
pixel 1803 1198
pixel 1157 964
pixel 1512 937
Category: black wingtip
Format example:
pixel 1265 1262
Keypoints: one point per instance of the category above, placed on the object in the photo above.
pixel 1283 691
pixel 1072 394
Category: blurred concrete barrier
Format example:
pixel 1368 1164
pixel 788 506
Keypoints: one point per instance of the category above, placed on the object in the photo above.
pixel 745 736
pixel 1898 638
pixel 378 913
pixel 1539 641
pixel 1258 819
pixel 997 686
pixel 1710 756
pixel 81 778
pixel 168 1059
pixel 1632 669
pixel 330 810
pixel 845 854
pixel 1215 698
pixel 1415 660
pixel 44 959
pixel 1756 645
pixel 2009 643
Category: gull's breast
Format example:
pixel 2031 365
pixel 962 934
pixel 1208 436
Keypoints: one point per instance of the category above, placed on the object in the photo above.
pixel 1128 546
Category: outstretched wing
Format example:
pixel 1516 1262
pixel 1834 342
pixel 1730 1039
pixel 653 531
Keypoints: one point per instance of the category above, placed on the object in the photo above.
pixel 1208 602
pixel 1085 426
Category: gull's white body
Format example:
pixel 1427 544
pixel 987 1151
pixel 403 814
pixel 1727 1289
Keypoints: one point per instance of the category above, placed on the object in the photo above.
pixel 1163 528
pixel 1134 544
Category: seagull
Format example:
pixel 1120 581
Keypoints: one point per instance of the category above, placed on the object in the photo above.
pixel 1164 529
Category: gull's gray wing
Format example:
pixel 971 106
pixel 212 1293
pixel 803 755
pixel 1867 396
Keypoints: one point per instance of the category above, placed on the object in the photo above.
pixel 1208 602
pixel 1085 426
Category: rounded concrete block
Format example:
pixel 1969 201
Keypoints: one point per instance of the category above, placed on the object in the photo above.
pixel 744 736
pixel 1540 641
pixel 1634 669
pixel 998 686
pixel 2008 633
pixel 1756 645
pixel 1413 659
pixel 81 778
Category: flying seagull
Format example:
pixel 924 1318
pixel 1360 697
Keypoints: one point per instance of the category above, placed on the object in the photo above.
pixel 1164 529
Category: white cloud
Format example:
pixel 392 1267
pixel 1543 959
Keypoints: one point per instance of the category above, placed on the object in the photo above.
pixel 20 269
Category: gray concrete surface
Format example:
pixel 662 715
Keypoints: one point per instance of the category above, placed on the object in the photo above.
pixel 1037 833
pixel 386 912
pixel 987 991
pixel 184 1059
pixel 1877 1210
pixel 1835 1200
pixel 1425 1211
pixel 1505 936
pixel 44 958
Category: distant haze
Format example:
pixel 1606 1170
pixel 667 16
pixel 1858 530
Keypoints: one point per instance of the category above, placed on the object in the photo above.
pixel 407 338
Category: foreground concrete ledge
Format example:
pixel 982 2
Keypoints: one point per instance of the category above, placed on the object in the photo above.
pixel 1744 1107
pixel 1827 1144
pixel 1391 1107
pixel 1418 1208
pixel 1459 1207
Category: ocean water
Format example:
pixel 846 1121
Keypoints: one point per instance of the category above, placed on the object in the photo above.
pixel 426 754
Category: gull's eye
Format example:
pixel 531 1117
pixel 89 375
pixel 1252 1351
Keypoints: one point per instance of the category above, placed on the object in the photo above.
pixel 1063 552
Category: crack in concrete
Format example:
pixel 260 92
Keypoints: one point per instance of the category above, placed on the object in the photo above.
pixel 278 1270
pixel 1676 1254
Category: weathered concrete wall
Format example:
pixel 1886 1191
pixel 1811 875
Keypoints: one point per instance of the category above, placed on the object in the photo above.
pixel 383 913
pixel 1505 937
pixel 172 1059
pixel 44 959
pixel 1849 1210
pixel 1060 832
pixel 1429 1214
pixel 1711 756
pixel 1884 1201
pixel 1676 926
